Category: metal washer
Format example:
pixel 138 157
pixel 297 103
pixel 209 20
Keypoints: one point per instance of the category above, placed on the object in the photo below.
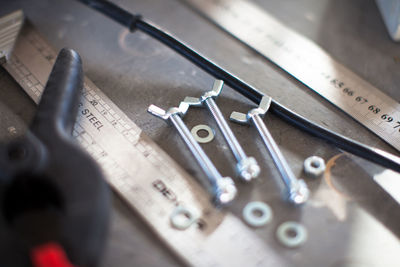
pixel 257 221
pixel 283 235
pixel 203 127
pixel 189 217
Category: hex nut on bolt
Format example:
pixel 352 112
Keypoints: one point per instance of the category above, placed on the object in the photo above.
pixel 314 166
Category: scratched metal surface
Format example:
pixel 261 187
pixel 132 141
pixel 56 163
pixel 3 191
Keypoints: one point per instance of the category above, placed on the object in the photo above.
pixel 354 224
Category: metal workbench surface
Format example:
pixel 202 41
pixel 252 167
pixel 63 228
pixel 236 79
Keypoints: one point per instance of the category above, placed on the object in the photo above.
pixel 353 223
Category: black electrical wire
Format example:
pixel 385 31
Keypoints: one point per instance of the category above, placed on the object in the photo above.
pixel 134 22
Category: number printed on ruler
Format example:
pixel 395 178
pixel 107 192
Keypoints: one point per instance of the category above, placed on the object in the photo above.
pixel 308 63
pixel 370 106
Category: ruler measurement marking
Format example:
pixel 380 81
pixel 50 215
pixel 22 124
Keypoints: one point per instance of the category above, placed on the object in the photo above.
pixel 308 63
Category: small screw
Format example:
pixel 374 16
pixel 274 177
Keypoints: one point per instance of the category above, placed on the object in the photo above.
pixel 297 190
pixel 246 167
pixel 223 188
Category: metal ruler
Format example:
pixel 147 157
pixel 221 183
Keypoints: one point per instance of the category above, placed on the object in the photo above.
pixel 139 171
pixel 10 27
pixel 308 63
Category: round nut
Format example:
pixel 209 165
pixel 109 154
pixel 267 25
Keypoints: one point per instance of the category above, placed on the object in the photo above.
pixel 248 169
pixel 314 166
pixel 226 191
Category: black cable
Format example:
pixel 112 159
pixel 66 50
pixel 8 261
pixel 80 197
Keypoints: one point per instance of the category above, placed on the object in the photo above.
pixel 136 22
pixel 114 12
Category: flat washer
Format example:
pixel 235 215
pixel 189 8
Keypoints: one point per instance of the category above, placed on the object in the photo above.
pixel 291 234
pixel 257 213
pixel 181 218
pixel 202 127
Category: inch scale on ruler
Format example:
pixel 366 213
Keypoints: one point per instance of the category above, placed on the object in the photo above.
pixel 139 171
pixel 308 63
